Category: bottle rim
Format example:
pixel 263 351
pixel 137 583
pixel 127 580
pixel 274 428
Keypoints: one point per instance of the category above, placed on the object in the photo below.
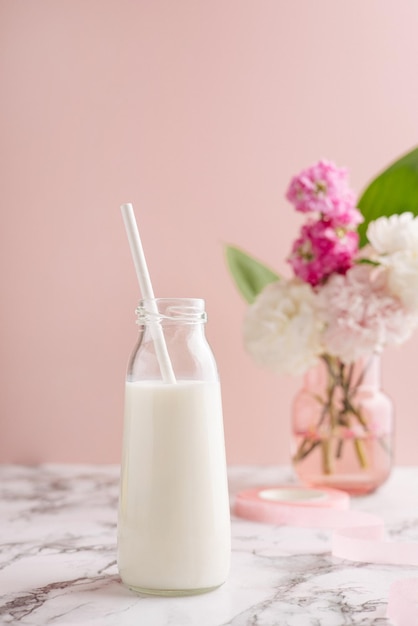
pixel 171 310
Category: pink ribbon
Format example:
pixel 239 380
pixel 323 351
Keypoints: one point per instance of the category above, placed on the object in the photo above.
pixel 357 536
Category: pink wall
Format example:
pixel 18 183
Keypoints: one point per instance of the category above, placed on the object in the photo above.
pixel 198 112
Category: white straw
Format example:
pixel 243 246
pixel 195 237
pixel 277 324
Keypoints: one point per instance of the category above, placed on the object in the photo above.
pixel 147 291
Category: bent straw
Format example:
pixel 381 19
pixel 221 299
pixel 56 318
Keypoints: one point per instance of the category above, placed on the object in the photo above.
pixel 145 286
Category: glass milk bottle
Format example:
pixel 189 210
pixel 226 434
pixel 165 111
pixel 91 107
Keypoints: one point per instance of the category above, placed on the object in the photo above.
pixel 174 521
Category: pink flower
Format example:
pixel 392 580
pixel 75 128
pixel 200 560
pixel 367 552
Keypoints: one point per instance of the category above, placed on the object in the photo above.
pixel 345 213
pixel 360 314
pixel 320 188
pixel 322 250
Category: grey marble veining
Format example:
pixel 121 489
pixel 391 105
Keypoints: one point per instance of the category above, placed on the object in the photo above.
pixel 58 558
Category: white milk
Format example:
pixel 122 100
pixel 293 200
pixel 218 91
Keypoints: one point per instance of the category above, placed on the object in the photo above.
pixel 174 523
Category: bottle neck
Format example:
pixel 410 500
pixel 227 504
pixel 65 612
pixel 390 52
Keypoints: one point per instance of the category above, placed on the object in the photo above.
pixel 171 311
pixel 172 338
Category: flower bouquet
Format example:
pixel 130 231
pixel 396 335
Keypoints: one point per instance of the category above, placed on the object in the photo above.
pixel 353 291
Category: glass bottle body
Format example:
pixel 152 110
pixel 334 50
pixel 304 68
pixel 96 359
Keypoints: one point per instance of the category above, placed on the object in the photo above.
pixel 174 521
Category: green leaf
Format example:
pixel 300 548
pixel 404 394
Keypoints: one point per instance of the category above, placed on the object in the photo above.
pixel 395 190
pixel 250 275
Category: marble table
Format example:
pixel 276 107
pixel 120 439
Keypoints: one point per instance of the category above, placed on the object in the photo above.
pixel 58 558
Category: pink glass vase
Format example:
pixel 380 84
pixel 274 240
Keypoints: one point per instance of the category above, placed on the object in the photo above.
pixel 342 427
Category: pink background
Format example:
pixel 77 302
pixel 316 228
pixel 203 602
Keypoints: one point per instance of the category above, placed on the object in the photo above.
pixel 198 112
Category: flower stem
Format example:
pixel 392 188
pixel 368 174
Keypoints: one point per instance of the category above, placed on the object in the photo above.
pixel 326 456
pixel 339 451
pixel 361 453
pixel 304 451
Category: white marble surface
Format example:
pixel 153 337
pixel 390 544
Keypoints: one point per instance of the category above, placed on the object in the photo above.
pixel 58 558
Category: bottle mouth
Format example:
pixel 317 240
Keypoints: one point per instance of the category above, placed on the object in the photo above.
pixel 171 311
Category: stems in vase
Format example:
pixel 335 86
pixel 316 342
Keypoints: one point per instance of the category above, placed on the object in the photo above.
pixel 338 417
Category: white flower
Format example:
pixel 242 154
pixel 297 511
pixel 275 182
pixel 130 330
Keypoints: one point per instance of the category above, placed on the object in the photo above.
pixel 395 239
pixel 393 234
pixel 403 278
pixel 282 327
pixel 361 314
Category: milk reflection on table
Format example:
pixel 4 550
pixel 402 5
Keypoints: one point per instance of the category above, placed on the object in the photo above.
pixel 174 523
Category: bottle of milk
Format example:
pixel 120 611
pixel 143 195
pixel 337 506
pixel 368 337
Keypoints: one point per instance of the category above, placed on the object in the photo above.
pixel 174 520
